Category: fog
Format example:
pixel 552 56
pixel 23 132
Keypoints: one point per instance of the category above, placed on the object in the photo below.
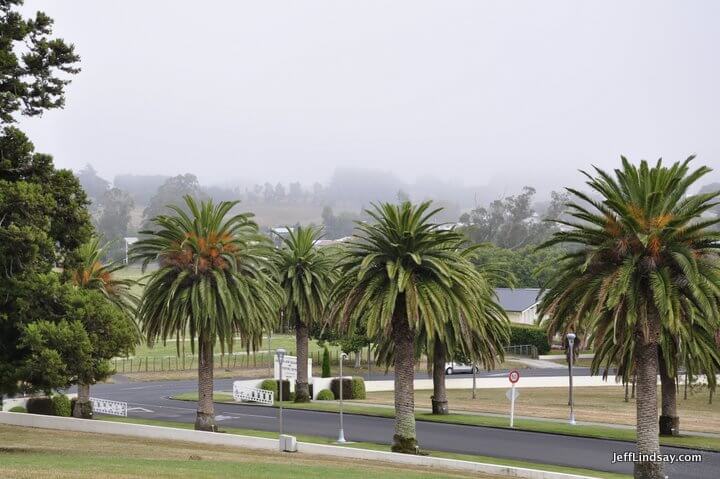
pixel 493 94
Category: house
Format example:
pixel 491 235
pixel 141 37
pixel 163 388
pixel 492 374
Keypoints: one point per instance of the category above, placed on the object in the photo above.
pixel 520 304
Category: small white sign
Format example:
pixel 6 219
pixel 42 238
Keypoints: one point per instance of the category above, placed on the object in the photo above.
pixel 512 392
pixel 289 369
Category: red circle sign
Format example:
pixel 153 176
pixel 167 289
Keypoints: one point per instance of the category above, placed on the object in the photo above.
pixel 514 376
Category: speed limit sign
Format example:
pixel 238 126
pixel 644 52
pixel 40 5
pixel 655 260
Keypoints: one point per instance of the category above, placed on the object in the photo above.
pixel 514 376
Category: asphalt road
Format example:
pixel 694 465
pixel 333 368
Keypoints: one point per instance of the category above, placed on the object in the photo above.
pixel 151 400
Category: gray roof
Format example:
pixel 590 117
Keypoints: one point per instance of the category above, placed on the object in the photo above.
pixel 518 299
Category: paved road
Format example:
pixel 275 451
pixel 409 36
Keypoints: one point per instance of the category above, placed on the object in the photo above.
pixel 151 400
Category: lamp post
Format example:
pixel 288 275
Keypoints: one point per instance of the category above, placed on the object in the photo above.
pixel 280 356
pixel 571 354
pixel 474 371
pixel 341 433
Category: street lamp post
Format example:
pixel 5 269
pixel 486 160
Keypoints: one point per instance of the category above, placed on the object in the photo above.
pixel 280 356
pixel 571 355
pixel 341 433
pixel 474 371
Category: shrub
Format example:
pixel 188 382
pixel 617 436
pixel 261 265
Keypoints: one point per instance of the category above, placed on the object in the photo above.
pixel 61 405
pixel 326 363
pixel 346 385
pixel 520 335
pixel 40 406
pixel 358 388
pixel 18 409
pixel 326 395
pixel 273 385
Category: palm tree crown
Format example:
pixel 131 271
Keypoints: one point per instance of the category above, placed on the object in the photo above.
pixel 92 273
pixel 212 277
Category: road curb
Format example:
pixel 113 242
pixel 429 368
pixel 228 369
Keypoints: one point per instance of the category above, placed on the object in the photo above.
pixel 251 442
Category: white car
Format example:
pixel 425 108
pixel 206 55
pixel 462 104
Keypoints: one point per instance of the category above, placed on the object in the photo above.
pixel 453 368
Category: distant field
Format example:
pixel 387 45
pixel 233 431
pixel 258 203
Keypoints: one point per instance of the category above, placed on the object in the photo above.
pixel 593 404
pixel 44 454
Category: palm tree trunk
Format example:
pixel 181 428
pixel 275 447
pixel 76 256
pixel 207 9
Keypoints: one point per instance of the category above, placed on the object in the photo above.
pixel 83 408
pixel 648 442
pixel 405 438
pixel 302 390
pixel 669 420
pixel 205 419
pixel 439 398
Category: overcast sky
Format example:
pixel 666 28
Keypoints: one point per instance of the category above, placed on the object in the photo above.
pixel 508 92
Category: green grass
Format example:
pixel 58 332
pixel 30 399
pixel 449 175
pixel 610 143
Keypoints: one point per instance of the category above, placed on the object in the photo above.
pixel 552 427
pixel 382 447
pixel 36 453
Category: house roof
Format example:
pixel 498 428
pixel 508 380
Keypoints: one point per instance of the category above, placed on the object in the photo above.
pixel 518 299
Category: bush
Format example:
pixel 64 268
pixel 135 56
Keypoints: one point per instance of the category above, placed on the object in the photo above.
pixel 326 363
pixel 61 405
pixel 18 409
pixel 520 335
pixel 326 395
pixel 273 385
pixel 346 385
pixel 40 406
pixel 358 388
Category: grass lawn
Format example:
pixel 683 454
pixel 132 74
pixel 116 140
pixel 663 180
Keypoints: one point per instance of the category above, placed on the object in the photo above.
pixel 35 453
pixel 477 419
pixel 592 404
pixel 384 447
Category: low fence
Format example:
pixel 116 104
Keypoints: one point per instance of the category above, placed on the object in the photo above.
pixel 528 350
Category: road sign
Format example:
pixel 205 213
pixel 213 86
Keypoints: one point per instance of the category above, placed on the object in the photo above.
pixel 512 393
pixel 514 376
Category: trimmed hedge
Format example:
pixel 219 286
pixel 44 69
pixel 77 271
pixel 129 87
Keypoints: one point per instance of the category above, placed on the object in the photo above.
pixel 326 363
pixel 358 388
pixel 521 335
pixel 352 388
pixel 40 406
pixel 18 409
pixel 61 405
pixel 326 395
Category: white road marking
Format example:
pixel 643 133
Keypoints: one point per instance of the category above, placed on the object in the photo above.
pixel 140 409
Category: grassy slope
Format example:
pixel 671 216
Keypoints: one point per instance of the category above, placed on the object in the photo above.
pixel 36 453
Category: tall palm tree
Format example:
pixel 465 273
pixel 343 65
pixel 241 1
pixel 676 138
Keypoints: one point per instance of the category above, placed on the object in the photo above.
pixel 213 283
pixel 92 274
pixel 304 272
pixel 401 273
pixel 645 262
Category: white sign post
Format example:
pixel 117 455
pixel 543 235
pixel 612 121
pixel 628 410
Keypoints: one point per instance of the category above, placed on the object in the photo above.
pixel 514 377
pixel 289 369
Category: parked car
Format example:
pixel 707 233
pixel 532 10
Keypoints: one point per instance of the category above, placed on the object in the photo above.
pixel 454 368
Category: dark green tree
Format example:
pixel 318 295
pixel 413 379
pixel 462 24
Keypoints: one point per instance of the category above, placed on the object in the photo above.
pixel 35 67
pixel 172 192
pixel 113 222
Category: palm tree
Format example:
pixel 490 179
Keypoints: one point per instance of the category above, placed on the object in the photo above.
pixel 303 272
pixel 92 274
pixel 399 274
pixel 645 262
pixel 477 340
pixel 213 283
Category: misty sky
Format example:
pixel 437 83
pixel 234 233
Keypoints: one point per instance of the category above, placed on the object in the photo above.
pixel 501 92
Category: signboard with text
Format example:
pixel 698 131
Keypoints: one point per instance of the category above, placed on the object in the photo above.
pixel 289 368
